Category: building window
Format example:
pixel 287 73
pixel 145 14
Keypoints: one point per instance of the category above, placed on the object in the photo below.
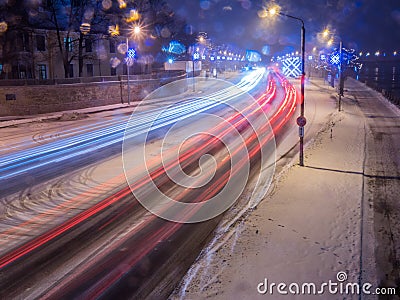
pixel 42 72
pixel 70 70
pixel 112 46
pixel 22 72
pixel 89 70
pixel 24 40
pixel 40 43
pixel 68 43
pixel 88 45
pixel 113 71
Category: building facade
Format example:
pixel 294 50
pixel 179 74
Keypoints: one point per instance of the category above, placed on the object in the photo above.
pixel 63 39
pixel 35 54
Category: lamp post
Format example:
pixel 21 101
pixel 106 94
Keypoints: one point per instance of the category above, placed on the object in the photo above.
pixel 301 121
pixel 130 56
pixel 341 81
pixel 195 58
pixel 127 69
pixel 339 63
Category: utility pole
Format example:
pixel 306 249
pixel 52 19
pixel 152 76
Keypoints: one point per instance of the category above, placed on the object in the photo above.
pixel 303 77
pixel 341 81
pixel 194 88
pixel 127 69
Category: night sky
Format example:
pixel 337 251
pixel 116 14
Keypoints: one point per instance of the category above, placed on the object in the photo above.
pixel 365 25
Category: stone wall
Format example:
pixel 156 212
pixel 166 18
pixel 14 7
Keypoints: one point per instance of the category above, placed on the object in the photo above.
pixel 36 99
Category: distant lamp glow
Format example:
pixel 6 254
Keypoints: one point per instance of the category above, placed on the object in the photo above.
pixel 113 30
pixel 377 53
pixel 3 27
pixel 368 54
pixel 395 53
pixel 314 49
pixel 136 29
pixel 170 60
pixel 85 28
pixel 325 33
pixel 122 4
pixel 360 54
pixel 133 16
pixel 273 11
pixel 330 42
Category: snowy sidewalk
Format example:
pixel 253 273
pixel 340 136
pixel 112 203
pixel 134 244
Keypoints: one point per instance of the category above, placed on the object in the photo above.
pixel 307 230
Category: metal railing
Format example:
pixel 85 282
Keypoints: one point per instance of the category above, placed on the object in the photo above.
pixel 163 75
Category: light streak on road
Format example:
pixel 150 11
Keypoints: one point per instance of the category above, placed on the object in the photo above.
pixel 109 258
pixel 105 264
pixel 189 158
pixel 18 163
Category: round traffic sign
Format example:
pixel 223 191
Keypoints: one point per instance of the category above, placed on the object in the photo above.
pixel 301 121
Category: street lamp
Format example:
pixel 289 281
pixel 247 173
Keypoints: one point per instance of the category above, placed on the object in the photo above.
pixel 328 35
pixel 195 57
pixel 301 120
pixel 130 56
pixel 325 33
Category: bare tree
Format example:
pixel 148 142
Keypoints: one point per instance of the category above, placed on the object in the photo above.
pixel 72 22
pixel 16 40
pixel 89 18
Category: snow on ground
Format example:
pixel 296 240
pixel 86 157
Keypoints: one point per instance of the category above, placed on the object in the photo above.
pixel 306 230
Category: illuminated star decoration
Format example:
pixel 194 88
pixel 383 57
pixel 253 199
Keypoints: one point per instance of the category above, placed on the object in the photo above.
pixel 131 53
pixel 334 59
pixel 291 66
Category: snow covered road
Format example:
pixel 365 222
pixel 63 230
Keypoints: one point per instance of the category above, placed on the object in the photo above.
pixel 334 220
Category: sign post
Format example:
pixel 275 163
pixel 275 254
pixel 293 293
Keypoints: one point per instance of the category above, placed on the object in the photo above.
pixel 341 81
pixel 301 122
pixel 195 57
pixel 130 56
